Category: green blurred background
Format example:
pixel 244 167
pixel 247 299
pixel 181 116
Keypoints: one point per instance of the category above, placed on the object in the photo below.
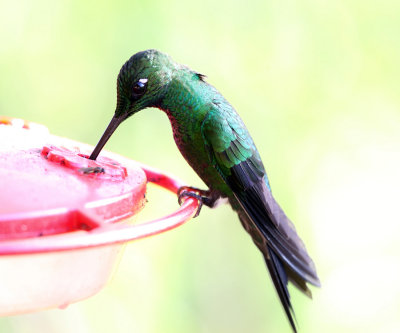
pixel 318 85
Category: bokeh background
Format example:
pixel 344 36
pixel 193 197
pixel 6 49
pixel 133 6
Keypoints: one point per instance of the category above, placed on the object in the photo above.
pixel 318 85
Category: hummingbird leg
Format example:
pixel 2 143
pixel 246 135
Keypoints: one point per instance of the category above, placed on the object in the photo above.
pixel 205 197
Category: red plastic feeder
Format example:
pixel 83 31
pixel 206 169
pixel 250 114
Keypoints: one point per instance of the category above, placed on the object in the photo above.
pixel 64 218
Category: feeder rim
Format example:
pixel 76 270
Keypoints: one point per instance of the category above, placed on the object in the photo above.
pixel 108 234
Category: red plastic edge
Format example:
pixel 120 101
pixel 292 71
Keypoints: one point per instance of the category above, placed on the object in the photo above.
pixel 108 234
pixel 106 168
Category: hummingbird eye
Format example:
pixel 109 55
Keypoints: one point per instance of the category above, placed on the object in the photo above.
pixel 139 88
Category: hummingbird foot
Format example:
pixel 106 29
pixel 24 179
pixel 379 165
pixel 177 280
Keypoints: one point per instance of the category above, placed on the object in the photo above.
pixel 208 198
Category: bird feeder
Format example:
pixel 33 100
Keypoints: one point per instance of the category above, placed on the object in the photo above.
pixel 64 218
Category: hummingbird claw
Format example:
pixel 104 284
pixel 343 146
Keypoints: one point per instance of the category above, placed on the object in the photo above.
pixel 205 197
pixel 191 194
pixel 201 195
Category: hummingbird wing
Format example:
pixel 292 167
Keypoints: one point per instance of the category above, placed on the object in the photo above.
pixel 236 158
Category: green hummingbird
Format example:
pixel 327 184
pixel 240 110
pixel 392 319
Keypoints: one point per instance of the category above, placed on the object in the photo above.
pixel 215 142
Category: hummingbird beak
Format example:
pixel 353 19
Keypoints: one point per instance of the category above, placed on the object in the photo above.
pixel 112 126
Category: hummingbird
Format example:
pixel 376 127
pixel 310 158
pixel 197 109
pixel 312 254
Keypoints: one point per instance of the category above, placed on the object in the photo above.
pixel 213 139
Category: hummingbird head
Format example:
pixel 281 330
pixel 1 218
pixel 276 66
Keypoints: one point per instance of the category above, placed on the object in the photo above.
pixel 142 82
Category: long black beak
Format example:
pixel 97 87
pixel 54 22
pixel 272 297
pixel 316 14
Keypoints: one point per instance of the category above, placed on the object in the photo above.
pixel 112 126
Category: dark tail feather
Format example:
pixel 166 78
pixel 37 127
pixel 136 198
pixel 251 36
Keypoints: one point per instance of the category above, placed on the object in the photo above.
pixel 280 279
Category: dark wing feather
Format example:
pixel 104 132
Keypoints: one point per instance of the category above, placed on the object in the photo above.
pixel 235 156
pixel 258 202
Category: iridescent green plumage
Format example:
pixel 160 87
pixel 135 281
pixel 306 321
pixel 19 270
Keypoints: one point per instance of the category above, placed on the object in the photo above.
pixel 214 141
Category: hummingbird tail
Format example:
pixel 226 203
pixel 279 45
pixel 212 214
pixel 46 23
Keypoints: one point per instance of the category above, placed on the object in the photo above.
pixel 280 280
pixel 279 272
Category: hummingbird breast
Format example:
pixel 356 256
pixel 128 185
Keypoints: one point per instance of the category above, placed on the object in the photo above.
pixel 187 103
pixel 190 142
